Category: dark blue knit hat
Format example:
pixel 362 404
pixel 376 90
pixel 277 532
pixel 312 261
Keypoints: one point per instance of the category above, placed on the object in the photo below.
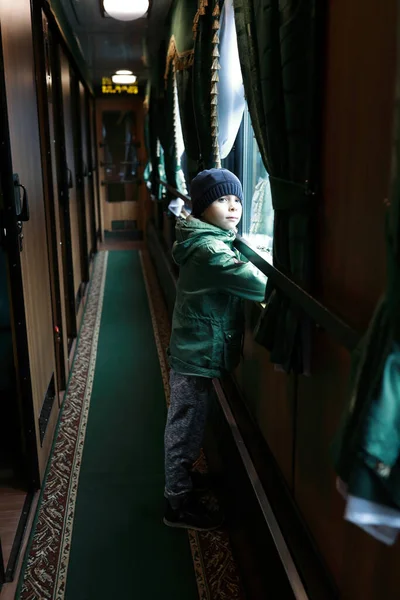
pixel 210 185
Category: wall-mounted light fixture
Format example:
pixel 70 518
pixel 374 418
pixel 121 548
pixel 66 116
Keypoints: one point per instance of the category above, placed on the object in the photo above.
pixel 124 77
pixel 126 10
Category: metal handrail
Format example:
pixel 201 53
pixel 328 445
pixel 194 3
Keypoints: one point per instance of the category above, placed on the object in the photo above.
pixel 281 546
pixel 316 311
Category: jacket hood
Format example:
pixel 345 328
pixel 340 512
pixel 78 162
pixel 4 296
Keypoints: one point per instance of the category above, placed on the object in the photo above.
pixel 191 233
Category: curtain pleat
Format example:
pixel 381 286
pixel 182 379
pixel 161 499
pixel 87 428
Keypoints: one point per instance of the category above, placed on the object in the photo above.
pixel 278 55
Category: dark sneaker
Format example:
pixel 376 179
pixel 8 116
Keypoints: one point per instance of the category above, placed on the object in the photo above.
pixel 193 514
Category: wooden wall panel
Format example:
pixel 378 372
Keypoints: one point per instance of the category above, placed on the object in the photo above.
pixel 120 211
pixel 359 90
pixel 46 82
pixel 60 264
pixel 370 569
pixel 321 401
pixel 16 28
pixel 270 396
pixel 356 151
pixel 73 197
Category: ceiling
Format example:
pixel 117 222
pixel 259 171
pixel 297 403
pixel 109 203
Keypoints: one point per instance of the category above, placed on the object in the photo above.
pixel 109 45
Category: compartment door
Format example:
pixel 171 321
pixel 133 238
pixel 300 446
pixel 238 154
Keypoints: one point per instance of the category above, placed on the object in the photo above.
pixel 76 210
pixel 24 229
pixel 87 173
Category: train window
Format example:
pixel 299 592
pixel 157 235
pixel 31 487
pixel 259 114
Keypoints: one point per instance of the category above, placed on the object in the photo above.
pixel 179 144
pixel 161 166
pixel 258 214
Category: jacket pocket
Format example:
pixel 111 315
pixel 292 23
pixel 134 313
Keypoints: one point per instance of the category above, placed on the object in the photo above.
pixel 232 349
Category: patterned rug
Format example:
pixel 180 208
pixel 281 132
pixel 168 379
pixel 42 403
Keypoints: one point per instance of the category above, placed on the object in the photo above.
pixel 216 570
pixel 46 561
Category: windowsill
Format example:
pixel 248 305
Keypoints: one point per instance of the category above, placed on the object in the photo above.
pixel 264 250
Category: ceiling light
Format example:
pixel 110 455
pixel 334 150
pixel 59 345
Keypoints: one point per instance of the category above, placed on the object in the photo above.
pixel 126 10
pixel 123 72
pixel 123 79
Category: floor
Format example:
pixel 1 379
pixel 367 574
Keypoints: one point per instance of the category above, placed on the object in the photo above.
pixel 9 589
pixel 11 499
pixel 215 569
pixel 103 493
pixel 11 504
pixel 121 245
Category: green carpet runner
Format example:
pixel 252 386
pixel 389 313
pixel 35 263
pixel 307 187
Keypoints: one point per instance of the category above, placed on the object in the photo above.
pixel 120 547
pixel 98 533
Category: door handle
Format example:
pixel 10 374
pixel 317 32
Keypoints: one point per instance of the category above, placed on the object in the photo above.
pixel 70 180
pixel 24 214
pixel 22 207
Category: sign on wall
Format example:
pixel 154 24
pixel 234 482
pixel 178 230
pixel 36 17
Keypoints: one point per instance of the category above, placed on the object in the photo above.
pixel 108 87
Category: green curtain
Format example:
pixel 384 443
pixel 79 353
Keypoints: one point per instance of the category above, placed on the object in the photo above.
pixel 192 43
pixel 161 112
pixel 278 55
pixel 184 12
pixel 203 60
pixel 152 138
pixel 154 122
pixel 146 106
pixel 161 128
pixel 166 130
pixel 186 55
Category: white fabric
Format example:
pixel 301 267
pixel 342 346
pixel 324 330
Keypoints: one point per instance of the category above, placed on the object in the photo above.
pixel 175 206
pixel 379 521
pixel 180 144
pixel 230 89
pixel 180 181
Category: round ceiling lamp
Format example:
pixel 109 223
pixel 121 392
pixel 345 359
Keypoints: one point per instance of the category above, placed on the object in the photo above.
pixel 123 79
pixel 126 10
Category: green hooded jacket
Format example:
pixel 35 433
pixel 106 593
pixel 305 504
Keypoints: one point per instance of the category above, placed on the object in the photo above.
pixel 208 319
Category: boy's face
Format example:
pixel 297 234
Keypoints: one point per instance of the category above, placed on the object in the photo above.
pixel 225 212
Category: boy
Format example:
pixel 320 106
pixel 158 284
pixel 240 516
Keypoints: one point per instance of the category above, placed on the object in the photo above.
pixel 207 330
